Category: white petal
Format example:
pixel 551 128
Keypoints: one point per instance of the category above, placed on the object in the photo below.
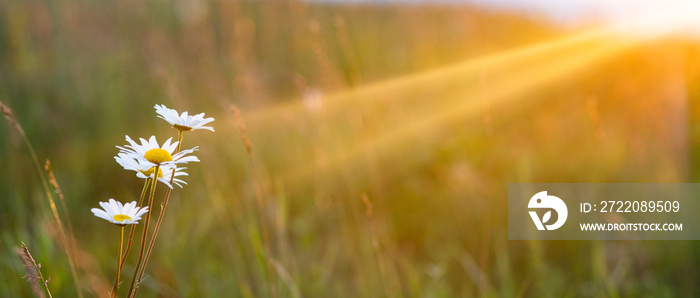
pixel 167 144
pixel 165 181
pixel 187 159
pixel 146 166
pixel 141 213
pixel 107 208
pixel 100 213
pixel 129 208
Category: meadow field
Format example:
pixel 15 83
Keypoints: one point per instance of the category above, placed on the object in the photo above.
pixel 360 150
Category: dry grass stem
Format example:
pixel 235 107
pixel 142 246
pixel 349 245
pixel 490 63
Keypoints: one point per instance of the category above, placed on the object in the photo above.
pixel 258 196
pixel 9 115
pixel 54 183
pixel 33 271
pixel 374 237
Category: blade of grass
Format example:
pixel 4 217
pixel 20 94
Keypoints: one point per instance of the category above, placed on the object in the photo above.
pixel 259 198
pixel 10 117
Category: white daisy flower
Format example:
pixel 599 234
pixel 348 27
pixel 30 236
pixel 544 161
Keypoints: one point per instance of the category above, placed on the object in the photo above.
pixel 149 154
pixel 183 122
pixel 128 162
pixel 119 214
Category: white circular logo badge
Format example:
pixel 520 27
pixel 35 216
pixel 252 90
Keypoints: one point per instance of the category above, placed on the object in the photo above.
pixel 542 200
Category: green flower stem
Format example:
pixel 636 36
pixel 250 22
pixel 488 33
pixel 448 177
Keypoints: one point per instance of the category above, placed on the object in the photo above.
pixel 119 264
pixel 132 229
pixel 160 216
pixel 145 230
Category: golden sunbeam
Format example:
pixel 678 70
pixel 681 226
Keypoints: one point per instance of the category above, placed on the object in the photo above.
pixel 523 57
pixel 411 107
pixel 460 105
pixel 518 72
pixel 678 16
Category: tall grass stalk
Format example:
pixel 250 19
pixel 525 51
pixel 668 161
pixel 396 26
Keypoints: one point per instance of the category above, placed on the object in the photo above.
pixel 54 183
pixel 33 271
pixel 374 238
pixel 10 117
pixel 259 198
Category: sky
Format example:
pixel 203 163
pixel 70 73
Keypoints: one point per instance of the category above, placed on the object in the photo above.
pixel 582 10
pixel 679 15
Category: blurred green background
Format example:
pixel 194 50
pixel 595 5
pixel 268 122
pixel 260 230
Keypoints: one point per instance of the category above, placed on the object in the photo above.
pixel 383 139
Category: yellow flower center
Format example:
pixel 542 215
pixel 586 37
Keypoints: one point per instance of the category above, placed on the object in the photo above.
pixel 150 172
pixel 158 156
pixel 182 127
pixel 121 217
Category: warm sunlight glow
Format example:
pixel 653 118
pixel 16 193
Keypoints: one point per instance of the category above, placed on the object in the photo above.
pixel 453 92
pixel 675 17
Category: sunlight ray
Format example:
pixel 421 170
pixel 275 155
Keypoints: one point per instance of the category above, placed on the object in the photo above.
pixel 519 57
pixel 412 106
pixel 519 73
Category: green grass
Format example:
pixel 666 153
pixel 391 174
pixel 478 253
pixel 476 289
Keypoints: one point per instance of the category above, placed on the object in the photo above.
pixel 80 75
